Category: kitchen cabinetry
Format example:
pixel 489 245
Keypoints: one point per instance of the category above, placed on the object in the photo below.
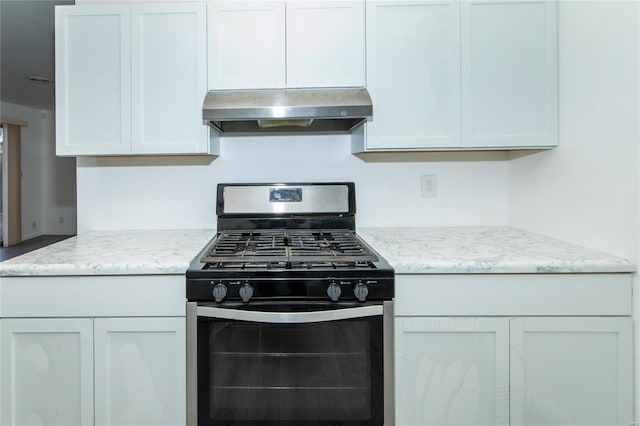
pixel 473 362
pixel 140 371
pixel 264 44
pixel 87 350
pixel 49 367
pixel 452 371
pixel 509 73
pixel 47 371
pixel 461 75
pixel 413 74
pixel 571 371
pixel 246 44
pixel 130 79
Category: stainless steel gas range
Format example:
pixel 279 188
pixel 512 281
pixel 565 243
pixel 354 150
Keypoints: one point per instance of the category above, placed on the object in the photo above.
pixel 289 313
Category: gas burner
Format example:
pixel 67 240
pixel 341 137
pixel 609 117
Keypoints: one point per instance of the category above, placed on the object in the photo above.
pixel 298 248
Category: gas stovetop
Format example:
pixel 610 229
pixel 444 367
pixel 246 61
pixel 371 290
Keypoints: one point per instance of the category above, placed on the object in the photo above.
pixel 272 245
pixel 289 249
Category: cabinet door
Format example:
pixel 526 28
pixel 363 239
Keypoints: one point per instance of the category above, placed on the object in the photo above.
pixel 413 74
pixel 93 94
pixel 571 371
pixel 325 43
pixel 140 371
pixel 246 44
pixel 509 73
pixel 452 371
pixel 168 72
pixel 47 372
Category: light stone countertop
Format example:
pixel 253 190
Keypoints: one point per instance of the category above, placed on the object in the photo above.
pixel 485 249
pixel 150 252
pixel 436 250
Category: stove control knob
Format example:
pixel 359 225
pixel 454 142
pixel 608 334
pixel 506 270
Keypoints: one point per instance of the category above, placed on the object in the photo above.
pixel 334 291
pixel 246 292
pixel 219 292
pixel 361 291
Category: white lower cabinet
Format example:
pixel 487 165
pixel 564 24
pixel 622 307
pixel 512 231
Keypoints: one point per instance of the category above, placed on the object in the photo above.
pixel 452 371
pixel 85 371
pixel 571 371
pixel 140 371
pixel 519 371
pixel 47 372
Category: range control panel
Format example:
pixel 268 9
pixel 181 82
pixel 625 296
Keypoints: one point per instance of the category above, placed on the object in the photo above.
pixel 330 288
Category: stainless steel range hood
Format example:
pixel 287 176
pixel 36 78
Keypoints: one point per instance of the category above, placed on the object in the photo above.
pixel 333 110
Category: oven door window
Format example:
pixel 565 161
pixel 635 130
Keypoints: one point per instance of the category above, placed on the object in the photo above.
pixel 320 373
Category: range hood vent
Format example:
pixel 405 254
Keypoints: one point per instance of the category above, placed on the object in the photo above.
pixel 287 110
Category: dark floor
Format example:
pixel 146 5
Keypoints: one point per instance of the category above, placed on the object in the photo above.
pixel 30 245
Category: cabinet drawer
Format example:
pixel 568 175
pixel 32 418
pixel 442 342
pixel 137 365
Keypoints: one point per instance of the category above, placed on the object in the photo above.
pixel 513 294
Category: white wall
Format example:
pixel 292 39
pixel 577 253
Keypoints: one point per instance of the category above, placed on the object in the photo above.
pixel 179 192
pixel 586 190
pixel 48 182
pixel 32 143
pixel 59 184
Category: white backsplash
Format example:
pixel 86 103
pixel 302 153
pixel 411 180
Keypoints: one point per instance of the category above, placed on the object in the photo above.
pixel 179 192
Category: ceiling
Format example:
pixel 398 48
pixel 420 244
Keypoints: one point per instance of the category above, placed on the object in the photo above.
pixel 27 50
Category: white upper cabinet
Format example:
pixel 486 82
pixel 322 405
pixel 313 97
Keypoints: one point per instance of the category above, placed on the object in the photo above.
pixel 130 79
pixel 267 45
pixel 168 77
pixel 93 90
pixel 325 44
pixel 461 74
pixel 246 44
pixel 509 73
pixel 413 74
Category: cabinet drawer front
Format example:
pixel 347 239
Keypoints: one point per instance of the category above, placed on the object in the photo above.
pixel 513 294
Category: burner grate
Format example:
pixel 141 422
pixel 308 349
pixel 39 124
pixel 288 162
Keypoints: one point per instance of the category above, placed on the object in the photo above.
pixel 288 249
pixel 268 266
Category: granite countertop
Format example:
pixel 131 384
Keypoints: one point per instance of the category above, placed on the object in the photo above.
pixel 445 250
pixel 485 249
pixel 113 253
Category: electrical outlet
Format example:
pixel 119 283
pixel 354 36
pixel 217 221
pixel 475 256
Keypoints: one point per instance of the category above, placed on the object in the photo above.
pixel 61 220
pixel 34 224
pixel 429 186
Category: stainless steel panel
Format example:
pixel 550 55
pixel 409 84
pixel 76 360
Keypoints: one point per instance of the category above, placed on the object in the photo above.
pixel 389 373
pixel 330 110
pixel 192 364
pixel 315 199
pixel 286 103
pixel 290 317
pixel 386 310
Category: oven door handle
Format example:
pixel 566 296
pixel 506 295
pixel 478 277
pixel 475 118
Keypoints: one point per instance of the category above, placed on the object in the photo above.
pixel 290 317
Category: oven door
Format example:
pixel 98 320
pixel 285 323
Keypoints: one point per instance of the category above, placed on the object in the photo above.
pixel 303 364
